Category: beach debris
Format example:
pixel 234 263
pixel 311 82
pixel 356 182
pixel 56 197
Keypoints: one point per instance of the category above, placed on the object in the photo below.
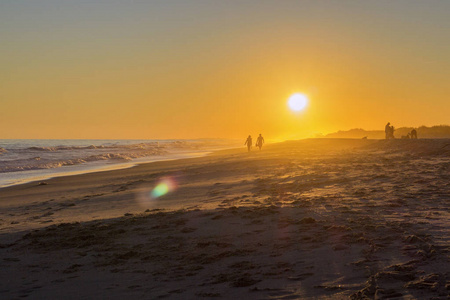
pixel 307 220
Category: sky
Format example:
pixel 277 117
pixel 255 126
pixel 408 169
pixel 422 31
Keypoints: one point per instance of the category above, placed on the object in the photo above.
pixel 220 69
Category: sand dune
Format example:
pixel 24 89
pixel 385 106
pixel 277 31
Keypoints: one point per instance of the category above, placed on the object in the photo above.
pixel 309 219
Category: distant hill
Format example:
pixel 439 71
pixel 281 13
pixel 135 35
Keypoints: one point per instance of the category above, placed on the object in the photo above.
pixel 434 132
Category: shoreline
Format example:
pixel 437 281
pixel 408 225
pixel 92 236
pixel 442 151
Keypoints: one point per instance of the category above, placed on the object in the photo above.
pixel 31 160
pixel 117 167
pixel 349 143
pixel 90 168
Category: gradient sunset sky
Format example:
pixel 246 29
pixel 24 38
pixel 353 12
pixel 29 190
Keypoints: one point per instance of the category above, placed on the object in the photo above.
pixel 220 69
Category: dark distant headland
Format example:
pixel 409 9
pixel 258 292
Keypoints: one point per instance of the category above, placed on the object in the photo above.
pixel 434 132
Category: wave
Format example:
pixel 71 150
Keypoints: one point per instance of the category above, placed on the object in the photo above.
pixel 39 166
pixel 48 154
pixel 39 163
pixel 165 144
pixel 123 156
pixel 175 144
pixel 58 148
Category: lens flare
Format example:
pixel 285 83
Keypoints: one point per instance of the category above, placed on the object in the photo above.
pixel 160 190
pixel 146 195
pixel 163 187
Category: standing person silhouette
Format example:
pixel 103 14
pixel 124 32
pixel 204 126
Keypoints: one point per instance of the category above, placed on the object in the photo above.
pixel 248 142
pixel 414 133
pixel 259 141
pixel 387 130
pixel 391 133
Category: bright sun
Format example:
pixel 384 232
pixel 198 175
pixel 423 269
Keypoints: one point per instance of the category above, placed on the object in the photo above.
pixel 297 102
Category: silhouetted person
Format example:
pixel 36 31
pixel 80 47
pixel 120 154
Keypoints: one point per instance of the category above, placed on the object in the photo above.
pixel 387 130
pixel 259 141
pixel 413 134
pixel 248 142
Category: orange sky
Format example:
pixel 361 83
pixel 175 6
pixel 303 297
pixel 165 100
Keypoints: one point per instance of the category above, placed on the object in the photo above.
pixel 192 69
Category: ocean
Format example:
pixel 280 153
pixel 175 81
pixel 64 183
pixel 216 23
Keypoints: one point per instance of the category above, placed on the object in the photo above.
pixel 23 161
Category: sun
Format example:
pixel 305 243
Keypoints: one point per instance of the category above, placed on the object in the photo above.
pixel 297 102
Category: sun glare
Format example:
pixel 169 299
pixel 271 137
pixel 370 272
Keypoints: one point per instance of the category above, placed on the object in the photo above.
pixel 297 102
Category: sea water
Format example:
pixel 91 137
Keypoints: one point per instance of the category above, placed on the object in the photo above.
pixel 23 161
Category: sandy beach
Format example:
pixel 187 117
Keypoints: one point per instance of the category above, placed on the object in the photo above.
pixel 307 219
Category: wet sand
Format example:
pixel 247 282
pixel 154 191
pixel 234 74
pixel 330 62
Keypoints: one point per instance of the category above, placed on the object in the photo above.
pixel 308 219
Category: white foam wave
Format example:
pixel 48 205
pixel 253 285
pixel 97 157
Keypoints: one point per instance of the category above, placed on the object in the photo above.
pixel 176 144
pixel 28 155
pixel 39 163
pixel 62 148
